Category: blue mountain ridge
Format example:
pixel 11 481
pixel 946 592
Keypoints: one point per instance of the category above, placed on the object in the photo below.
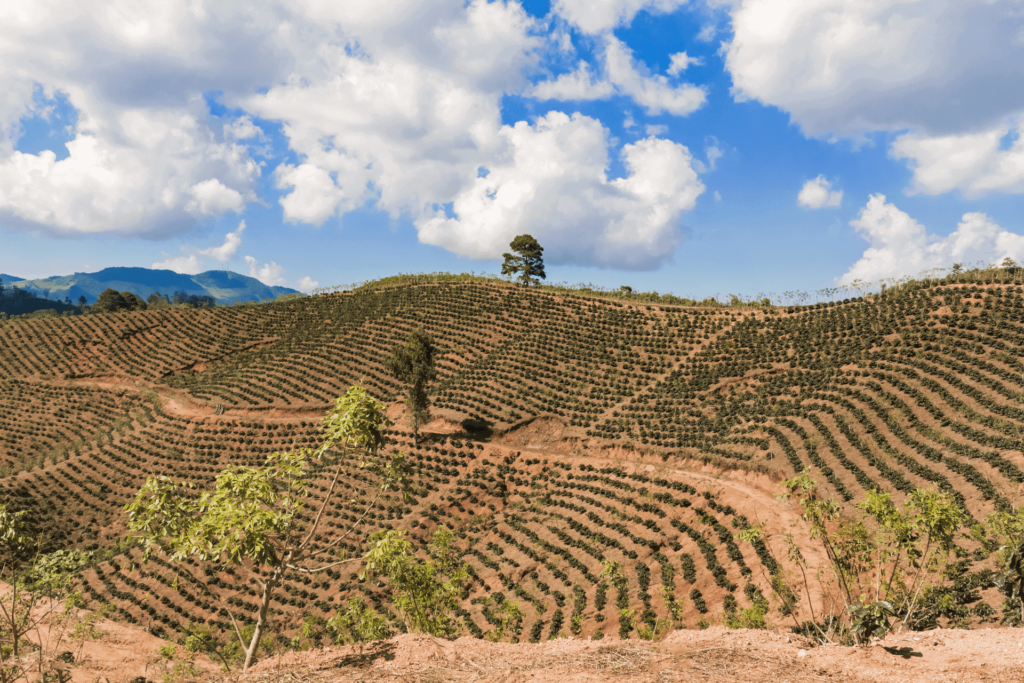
pixel 224 286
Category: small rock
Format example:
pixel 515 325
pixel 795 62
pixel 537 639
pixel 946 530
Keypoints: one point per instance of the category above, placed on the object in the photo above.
pixel 801 653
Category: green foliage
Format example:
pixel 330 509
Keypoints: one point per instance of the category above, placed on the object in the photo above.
pixel 357 624
pixel 527 262
pixel 110 300
pixel 413 364
pixel 51 574
pixel 255 515
pixel 425 592
pixel 887 572
pixel 870 620
pixel 1007 531
pixel 14 538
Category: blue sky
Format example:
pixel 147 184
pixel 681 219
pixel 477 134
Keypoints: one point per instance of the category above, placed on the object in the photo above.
pixel 699 148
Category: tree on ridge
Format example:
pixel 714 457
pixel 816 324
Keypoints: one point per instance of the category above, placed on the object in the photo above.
pixel 527 262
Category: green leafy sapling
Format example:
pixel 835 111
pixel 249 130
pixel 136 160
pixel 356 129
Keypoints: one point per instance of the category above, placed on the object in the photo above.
pixel 254 515
pixel 425 592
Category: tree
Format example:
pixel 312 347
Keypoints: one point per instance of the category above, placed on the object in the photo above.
pixel 110 300
pixel 413 364
pixel 424 591
pixel 527 262
pixel 158 300
pixel 133 302
pixel 82 301
pixel 1007 528
pixel 254 515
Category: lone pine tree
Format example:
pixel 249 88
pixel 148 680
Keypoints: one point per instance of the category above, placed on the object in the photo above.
pixel 527 262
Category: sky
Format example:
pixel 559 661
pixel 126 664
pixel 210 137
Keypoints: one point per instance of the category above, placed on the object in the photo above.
pixel 701 148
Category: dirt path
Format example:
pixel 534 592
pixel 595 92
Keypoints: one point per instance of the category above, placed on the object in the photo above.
pixel 717 654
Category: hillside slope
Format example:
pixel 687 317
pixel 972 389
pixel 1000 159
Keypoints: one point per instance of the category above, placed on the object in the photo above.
pixel 569 430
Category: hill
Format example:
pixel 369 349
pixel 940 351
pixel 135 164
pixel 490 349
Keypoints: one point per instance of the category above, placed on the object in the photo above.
pixel 224 286
pixel 569 429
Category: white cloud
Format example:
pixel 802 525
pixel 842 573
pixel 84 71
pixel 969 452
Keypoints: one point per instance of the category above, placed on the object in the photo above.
pixel 654 130
pixel 306 284
pixel 391 105
pixel 627 77
pixel 599 16
pixel 653 92
pixel 974 163
pixel 680 62
pixel 708 33
pixel 269 274
pixel 315 197
pixel 900 246
pixel 848 67
pixel 575 85
pixel 144 139
pixel 189 265
pixel 818 193
pixel 212 197
pixel 232 241
pixel 713 151
pixel 553 183
pixel 406 119
pixel 718 196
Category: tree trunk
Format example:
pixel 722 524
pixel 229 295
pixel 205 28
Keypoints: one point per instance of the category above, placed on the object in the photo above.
pixel 261 619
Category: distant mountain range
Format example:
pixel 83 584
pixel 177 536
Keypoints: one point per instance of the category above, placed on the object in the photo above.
pixel 223 285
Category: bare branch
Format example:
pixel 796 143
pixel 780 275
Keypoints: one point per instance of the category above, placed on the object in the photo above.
pixel 320 512
pixel 341 538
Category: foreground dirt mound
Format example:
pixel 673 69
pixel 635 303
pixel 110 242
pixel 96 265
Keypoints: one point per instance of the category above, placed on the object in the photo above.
pixel 716 654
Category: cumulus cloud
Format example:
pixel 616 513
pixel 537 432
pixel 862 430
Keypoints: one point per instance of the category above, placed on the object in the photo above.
pixel 680 62
pixel 847 67
pixel 818 193
pixel 211 197
pixel 575 85
pixel 188 264
pixel 654 92
pixel 306 284
pixel 232 241
pixel 599 16
pixel 145 147
pixel 191 263
pixel 626 76
pixel 900 246
pixel 976 164
pixel 554 183
pixel 269 273
pixel 391 105
pixel 404 120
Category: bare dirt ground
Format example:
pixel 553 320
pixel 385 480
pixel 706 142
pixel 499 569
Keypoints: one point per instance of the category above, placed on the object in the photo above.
pixel 113 652
pixel 716 654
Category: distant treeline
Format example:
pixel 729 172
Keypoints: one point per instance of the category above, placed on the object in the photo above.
pixel 17 301
pixel 111 300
